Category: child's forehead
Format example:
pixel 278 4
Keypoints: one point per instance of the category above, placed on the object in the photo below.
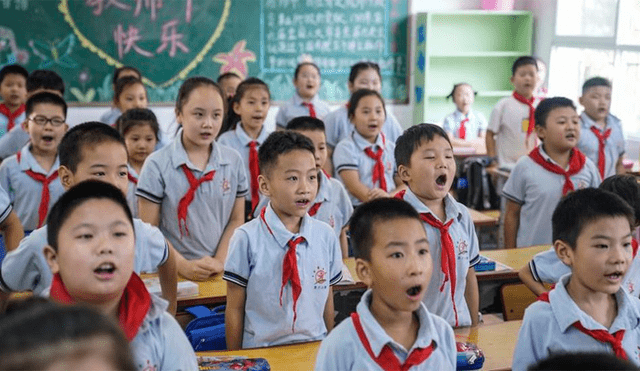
pixel 606 226
pixel 526 68
pixel 102 150
pixel 287 159
pixel 256 91
pixel 598 89
pixel 312 133
pixel 13 77
pixel 47 108
pixel 403 226
pixel 437 142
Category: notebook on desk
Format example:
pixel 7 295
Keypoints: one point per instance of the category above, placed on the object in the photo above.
pixel 186 289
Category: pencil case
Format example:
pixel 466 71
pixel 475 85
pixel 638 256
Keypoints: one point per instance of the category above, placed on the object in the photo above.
pixel 485 265
pixel 469 357
pixel 227 363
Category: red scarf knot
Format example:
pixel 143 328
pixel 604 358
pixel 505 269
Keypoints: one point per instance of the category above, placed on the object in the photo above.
pixel 576 163
pixel 462 130
pixel 602 138
pixel 314 209
pixel 532 110
pixel 254 171
pixel 312 110
pixel 134 303
pixel 43 209
pixel 377 174
pixel 387 360
pixel 185 201
pixel 11 116
pixel 290 274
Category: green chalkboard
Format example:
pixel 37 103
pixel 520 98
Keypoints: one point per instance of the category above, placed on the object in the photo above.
pixel 169 40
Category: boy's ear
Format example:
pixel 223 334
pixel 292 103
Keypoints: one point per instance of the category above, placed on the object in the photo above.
pixel 66 177
pixel 540 131
pixel 236 107
pixel 581 100
pixel 263 185
pixel 511 79
pixel 564 252
pixel 363 270
pixel 52 259
pixel 404 173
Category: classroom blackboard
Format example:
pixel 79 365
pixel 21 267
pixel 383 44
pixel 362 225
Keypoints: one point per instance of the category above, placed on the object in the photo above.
pixel 169 40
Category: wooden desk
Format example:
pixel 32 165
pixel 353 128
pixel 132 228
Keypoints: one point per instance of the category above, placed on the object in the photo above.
pixel 513 258
pixel 496 341
pixel 482 220
pixel 300 356
pixel 469 148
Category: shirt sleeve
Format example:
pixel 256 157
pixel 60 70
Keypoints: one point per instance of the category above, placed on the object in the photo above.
pixel 26 269
pixel 177 351
pixel 474 245
pixel 515 187
pixel 281 118
pixel 13 141
pixel 155 246
pixel 395 129
pixel 529 348
pixel 546 267
pixel 5 205
pixel 449 340
pixel 151 183
pixel 336 350
pixel 594 174
pixel 344 157
pixel 5 178
pixel 236 267
pixel 495 118
pixel 243 181
pixel 331 128
pixel 448 125
pixel 344 204
pixel 335 254
pixel 482 121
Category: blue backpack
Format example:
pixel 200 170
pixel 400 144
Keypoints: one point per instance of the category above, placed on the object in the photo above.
pixel 206 331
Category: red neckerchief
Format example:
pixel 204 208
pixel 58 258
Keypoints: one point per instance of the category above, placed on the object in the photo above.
pixel 11 116
pixel 462 130
pixel 312 111
pixel 185 201
pixel 45 196
pixel 314 209
pixel 387 360
pixel 377 173
pixel 532 110
pixel 289 270
pixel 132 178
pixel 134 303
pixel 576 163
pixel 602 137
pixel 254 171
pixel 634 247
pixel 447 252
pixel 325 173
pixel 602 336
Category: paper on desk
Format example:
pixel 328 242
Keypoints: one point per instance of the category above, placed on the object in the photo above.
pixel 347 279
pixel 186 289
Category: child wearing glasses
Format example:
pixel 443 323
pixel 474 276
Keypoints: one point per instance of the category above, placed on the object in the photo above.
pixel 31 175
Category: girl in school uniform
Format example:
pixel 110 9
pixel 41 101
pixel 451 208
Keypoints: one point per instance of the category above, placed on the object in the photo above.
pixel 129 93
pixel 464 124
pixel 194 188
pixel 112 115
pixel 305 102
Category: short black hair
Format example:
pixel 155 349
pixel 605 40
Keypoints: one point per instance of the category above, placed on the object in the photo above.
pixel 300 65
pixel 248 84
pixel 75 197
pixel 523 61
pixel 279 143
pixel 193 83
pixel 363 66
pixel 547 105
pixel 45 79
pixel 125 82
pixel 627 187
pixel 363 222
pixel 456 86
pixel 13 69
pixel 583 361
pixel 119 70
pixel 584 206
pixel 357 96
pixel 138 116
pixel 227 75
pixel 85 135
pixel 593 82
pixel 45 98
pixel 42 333
pixel 304 123
pixel 413 137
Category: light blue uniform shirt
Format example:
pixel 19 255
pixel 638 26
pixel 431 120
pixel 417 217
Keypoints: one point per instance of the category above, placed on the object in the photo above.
pixel 5 205
pixel 467 249
pixel 160 343
pixel 476 125
pixel 547 328
pixel 111 116
pixel 349 155
pixel 13 141
pixel 4 122
pixel 343 349
pixel 338 126
pixel 26 269
pixel 294 108
pixel 25 192
pixel 613 146
pixel 256 254
pixel 239 140
pixel 538 191
pixel 132 199
pixel 163 181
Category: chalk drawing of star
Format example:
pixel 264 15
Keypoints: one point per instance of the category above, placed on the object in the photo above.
pixel 236 60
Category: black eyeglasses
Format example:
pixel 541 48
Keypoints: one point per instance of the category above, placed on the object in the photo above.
pixel 42 121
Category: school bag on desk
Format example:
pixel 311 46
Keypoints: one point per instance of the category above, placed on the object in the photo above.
pixel 206 331
pixel 475 188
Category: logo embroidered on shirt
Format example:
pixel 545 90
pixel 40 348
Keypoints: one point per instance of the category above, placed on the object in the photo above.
pixel 332 221
pixel 630 287
pixel 582 184
pixel 462 247
pixel 320 275
pixel 149 367
pixel 226 186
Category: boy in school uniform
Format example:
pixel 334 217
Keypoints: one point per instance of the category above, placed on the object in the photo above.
pixel 425 163
pixel 31 175
pixel 510 132
pixel 281 265
pixel 602 139
pixel 587 311
pixel 551 170
pixel 391 328
pixel 13 79
pixel 39 81
pixel 91 150
pixel 92 258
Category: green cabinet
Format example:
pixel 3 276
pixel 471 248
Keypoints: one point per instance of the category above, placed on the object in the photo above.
pixel 477 47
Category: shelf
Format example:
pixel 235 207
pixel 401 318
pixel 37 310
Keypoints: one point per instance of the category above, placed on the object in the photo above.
pixel 488 93
pixel 496 54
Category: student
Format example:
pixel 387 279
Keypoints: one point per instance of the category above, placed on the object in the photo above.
pixel 194 188
pixel 30 177
pixel 510 132
pixel 539 180
pixel 41 335
pixel 129 93
pixel 546 267
pixel 364 159
pixel 391 328
pixel 464 123
pixel 13 79
pixel 305 102
pixel 139 128
pixel 91 150
pixel 251 104
pixel 92 256
pixel 112 115
pixel 602 139
pixel 10 226
pixel 587 311
pixel 39 81
pixel 332 204
pixel 281 266
pixel 229 82
pixel 583 361
pixel 425 163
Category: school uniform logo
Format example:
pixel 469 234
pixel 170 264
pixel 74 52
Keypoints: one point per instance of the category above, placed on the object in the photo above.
pixel 582 184
pixel 630 287
pixel 462 248
pixel 332 221
pixel 320 275
pixel 149 367
pixel 389 166
pixel 226 186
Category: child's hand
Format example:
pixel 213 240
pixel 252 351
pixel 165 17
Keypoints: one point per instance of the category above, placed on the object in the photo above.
pixel 200 269
pixel 376 193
